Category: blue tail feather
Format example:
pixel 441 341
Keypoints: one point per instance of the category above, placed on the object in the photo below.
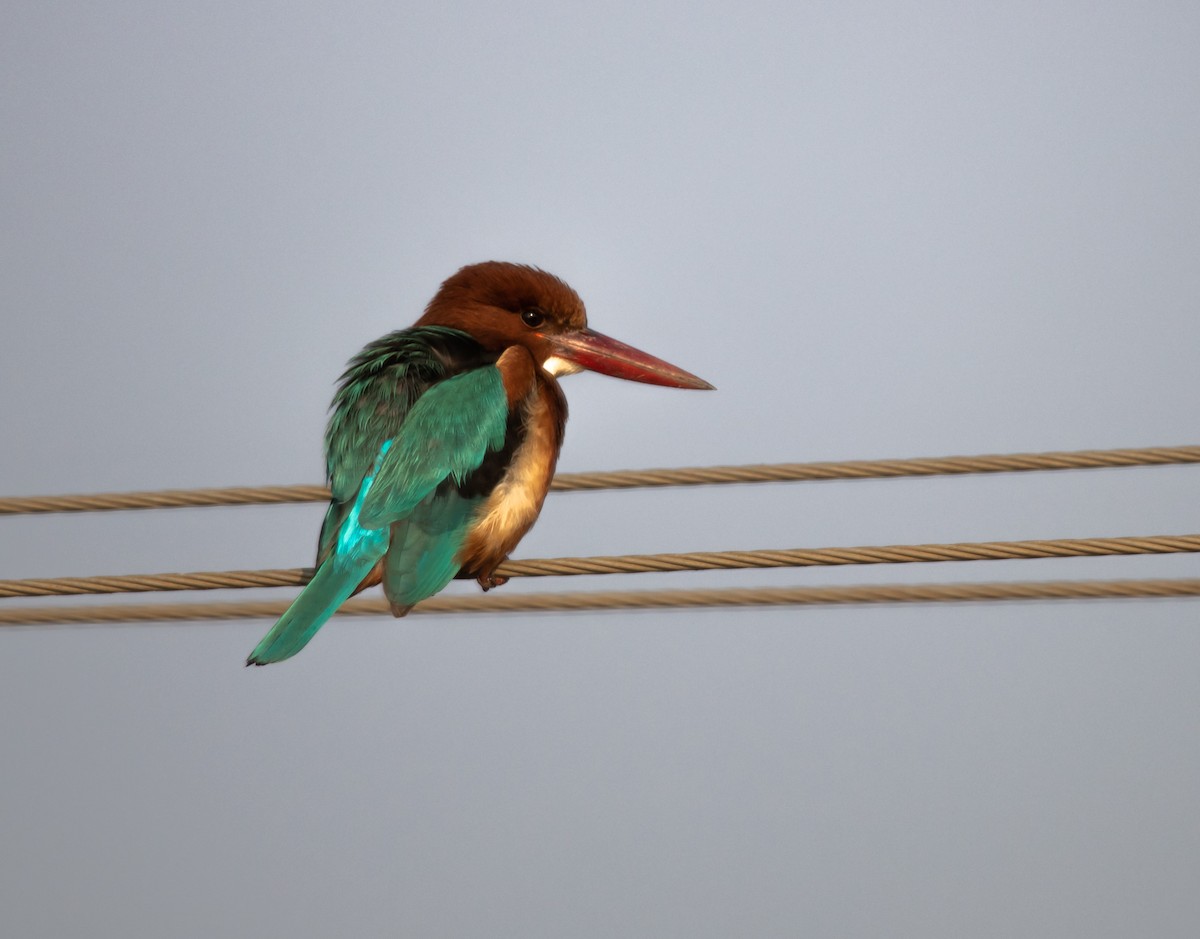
pixel 352 551
pixel 330 587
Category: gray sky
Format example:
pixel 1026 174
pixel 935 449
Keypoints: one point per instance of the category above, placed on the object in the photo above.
pixel 881 231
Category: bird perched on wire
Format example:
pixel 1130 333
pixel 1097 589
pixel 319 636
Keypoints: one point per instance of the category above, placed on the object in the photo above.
pixel 443 440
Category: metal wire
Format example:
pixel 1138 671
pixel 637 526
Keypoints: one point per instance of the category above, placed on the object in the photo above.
pixel 642 563
pixel 634 479
pixel 626 600
pixel 153 583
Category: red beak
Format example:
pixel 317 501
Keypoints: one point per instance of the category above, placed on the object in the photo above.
pixel 600 353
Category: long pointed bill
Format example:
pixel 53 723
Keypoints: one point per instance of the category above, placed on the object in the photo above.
pixel 599 353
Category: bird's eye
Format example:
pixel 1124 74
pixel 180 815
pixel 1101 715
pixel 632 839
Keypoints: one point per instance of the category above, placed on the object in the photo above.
pixel 533 317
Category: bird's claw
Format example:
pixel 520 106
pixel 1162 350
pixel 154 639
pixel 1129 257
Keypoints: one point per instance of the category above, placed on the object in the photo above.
pixel 488 581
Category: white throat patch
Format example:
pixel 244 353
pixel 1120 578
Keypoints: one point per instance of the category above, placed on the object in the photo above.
pixel 556 366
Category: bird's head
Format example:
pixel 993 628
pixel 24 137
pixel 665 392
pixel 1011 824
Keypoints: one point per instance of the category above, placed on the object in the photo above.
pixel 501 305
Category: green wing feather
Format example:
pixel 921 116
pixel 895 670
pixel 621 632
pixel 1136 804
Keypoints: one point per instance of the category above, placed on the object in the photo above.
pixel 406 505
pixel 374 396
pixel 447 434
pixel 423 556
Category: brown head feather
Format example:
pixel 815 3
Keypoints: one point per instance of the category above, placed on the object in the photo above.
pixel 488 300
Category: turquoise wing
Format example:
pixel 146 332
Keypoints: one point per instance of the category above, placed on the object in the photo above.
pixel 423 556
pixel 446 435
pixel 378 389
pixel 408 510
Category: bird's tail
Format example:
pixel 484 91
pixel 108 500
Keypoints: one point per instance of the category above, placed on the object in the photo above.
pixel 331 586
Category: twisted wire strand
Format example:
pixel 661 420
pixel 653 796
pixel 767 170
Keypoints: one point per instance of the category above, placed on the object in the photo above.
pixel 155 583
pixel 628 600
pixel 826 557
pixel 878 469
pixel 635 479
pixel 642 563
pixel 163 499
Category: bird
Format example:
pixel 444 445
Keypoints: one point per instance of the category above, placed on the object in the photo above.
pixel 443 438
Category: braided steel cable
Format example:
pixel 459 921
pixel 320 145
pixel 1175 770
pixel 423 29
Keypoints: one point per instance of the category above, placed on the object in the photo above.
pixel 827 557
pixel 628 600
pixel 635 479
pixel 155 583
pixel 878 469
pixel 642 563
pixel 163 499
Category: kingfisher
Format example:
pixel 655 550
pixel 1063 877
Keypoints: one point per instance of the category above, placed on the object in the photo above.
pixel 443 438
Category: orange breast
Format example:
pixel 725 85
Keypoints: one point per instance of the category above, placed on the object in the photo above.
pixel 514 505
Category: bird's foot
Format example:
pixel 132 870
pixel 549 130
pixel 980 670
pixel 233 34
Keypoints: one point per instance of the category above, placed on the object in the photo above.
pixel 488 581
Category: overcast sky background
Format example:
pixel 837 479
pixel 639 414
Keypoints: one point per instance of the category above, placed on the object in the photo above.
pixel 880 230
